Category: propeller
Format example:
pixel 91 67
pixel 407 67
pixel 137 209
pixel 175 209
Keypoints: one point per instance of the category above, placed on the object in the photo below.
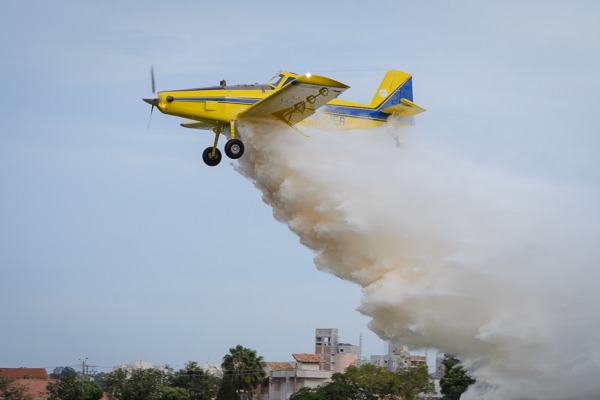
pixel 154 100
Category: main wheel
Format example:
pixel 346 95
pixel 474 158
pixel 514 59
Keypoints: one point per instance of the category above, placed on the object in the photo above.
pixel 234 148
pixel 209 159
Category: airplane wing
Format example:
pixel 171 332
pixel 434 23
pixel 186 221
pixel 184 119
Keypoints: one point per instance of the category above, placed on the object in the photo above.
pixel 297 100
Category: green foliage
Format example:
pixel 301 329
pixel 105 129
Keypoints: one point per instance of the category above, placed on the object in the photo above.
pixel 366 382
pixel 62 372
pixel 100 379
pixel 456 380
pixel 414 381
pixel 173 393
pixel 244 367
pixel 370 382
pixel 310 394
pixel 138 384
pixel 227 389
pixel 197 383
pixel 71 388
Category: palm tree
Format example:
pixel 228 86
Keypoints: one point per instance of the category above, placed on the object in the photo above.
pixel 244 367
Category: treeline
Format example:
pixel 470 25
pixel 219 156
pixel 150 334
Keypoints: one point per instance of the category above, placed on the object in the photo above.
pixel 242 375
pixel 242 371
pixel 372 382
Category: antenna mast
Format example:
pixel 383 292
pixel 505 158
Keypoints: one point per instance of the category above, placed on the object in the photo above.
pixel 360 360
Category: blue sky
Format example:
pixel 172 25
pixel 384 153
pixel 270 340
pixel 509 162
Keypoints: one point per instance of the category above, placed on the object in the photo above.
pixel 117 243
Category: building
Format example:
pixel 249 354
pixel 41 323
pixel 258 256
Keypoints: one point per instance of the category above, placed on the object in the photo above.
pixel 34 389
pixel 440 369
pixel 398 356
pixel 24 373
pixel 140 365
pixel 326 345
pixel 32 380
pixel 286 379
pixel 344 360
pixel 416 361
pixel 345 356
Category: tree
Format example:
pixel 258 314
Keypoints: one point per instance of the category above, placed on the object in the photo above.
pixel 455 380
pixel 138 384
pixel 245 368
pixel 62 372
pixel 3 382
pixel 197 383
pixel 371 382
pixel 173 393
pixel 414 382
pixel 100 379
pixel 227 389
pixel 366 382
pixel 71 388
pixel 307 393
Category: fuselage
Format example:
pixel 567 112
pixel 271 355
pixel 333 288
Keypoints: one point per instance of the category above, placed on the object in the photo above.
pixel 222 104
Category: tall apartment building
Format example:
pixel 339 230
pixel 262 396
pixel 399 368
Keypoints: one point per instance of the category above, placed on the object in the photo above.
pixel 326 345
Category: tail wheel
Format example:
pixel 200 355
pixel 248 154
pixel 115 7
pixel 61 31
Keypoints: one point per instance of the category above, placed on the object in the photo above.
pixel 234 148
pixel 209 159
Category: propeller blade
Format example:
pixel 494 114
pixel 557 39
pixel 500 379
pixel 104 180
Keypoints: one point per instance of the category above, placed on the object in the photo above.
pixel 152 101
pixel 150 118
pixel 152 79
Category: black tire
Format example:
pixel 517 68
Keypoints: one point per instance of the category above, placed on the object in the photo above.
pixel 209 159
pixel 234 149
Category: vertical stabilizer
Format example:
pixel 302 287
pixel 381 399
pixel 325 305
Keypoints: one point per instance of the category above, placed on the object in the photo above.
pixel 396 85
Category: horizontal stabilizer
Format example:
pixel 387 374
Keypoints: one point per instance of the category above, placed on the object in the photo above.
pixel 405 108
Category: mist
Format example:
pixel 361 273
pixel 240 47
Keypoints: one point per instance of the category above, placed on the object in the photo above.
pixel 467 258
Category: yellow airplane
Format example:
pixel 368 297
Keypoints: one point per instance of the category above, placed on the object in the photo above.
pixel 289 98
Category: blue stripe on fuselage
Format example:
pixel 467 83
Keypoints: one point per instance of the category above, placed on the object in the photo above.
pixel 234 100
pixel 364 113
pixel 403 92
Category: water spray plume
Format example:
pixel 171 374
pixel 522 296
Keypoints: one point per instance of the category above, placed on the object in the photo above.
pixel 497 269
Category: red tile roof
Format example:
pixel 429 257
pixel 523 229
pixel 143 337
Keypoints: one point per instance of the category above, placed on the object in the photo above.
pixel 308 358
pixel 24 373
pixel 278 366
pixel 35 388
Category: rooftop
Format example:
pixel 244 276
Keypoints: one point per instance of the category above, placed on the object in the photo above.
pixel 278 366
pixel 308 358
pixel 24 373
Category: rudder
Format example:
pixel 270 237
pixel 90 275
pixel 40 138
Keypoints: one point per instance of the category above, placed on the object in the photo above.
pixel 396 85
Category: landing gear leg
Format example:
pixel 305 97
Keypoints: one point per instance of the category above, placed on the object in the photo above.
pixel 212 155
pixel 234 148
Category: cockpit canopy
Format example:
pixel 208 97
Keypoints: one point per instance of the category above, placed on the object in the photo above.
pixel 282 79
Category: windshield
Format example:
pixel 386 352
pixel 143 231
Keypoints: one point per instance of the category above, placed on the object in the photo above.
pixel 276 80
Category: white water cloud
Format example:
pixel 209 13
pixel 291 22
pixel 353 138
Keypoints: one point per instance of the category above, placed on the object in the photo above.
pixel 496 268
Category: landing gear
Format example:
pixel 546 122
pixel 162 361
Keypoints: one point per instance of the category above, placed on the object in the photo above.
pixel 234 149
pixel 210 159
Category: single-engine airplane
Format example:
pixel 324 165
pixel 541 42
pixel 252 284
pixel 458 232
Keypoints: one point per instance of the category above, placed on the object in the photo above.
pixel 289 98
